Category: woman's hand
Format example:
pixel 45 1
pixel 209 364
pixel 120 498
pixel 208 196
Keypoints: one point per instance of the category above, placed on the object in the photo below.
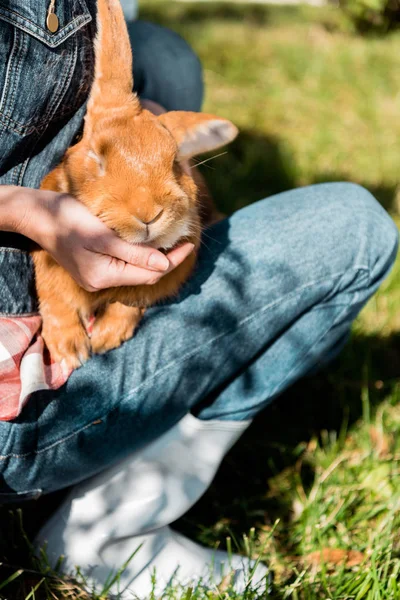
pixel 80 242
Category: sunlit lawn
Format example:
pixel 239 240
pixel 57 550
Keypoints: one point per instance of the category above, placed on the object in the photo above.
pixel 317 475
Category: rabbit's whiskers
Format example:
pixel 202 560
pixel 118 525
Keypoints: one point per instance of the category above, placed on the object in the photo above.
pixel 203 162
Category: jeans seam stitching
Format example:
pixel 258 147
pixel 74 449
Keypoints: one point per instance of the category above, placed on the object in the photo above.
pixel 17 59
pixel 72 27
pixel 8 72
pixel 167 367
pixel 19 315
pixel 240 323
pixel 355 296
pixel 57 443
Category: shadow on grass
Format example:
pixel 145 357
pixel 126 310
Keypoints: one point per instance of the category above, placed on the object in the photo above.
pixel 255 167
pixel 181 15
pixel 197 13
pixel 184 18
pixel 325 402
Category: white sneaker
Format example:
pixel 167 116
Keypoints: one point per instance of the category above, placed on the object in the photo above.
pixel 166 558
pixel 106 518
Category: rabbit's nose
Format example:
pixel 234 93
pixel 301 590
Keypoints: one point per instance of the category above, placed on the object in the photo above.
pixel 153 220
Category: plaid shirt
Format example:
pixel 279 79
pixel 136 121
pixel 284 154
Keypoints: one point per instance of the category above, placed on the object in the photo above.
pixel 25 365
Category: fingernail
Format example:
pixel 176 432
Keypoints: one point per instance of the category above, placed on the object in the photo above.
pixel 191 248
pixel 158 261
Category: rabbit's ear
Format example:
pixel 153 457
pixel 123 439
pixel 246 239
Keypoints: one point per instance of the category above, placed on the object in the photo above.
pixel 196 133
pixel 113 79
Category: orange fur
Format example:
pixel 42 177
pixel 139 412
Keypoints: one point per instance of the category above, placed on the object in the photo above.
pixel 129 170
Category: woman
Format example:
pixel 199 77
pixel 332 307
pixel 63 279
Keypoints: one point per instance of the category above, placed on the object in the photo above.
pixel 140 432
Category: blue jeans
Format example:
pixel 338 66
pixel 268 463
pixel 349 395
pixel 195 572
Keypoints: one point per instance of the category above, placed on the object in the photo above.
pixel 276 288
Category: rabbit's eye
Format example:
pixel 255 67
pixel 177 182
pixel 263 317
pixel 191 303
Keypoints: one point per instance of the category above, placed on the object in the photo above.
pixel 99 160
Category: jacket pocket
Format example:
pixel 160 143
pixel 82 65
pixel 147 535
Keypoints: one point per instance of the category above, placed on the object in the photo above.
pixel 31 17
pixel 36 65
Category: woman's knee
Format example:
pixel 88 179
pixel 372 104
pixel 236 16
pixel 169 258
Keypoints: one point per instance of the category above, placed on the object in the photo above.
pixel 320 231
pixel 362 220
pixel 166 69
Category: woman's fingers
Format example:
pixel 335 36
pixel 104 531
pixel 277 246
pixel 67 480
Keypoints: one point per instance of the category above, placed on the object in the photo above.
pixel 140 255
pixel 133 254
pixel 178 254
pixel 121 273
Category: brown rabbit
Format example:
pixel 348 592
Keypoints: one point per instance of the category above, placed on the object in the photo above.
pixel 129 170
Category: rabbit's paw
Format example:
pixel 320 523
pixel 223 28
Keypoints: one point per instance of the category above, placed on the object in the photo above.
pixel 115 326
pixel 68 345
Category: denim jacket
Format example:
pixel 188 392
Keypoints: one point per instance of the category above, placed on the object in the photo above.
pixel 45 78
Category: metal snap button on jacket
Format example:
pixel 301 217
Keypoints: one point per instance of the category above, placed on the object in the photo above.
pixel 52 19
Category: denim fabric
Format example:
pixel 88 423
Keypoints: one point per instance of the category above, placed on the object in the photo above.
pixel 275 291
pixel 17 285
pixel 44 83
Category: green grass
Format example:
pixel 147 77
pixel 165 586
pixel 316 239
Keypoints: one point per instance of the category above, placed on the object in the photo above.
pixel 320 468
